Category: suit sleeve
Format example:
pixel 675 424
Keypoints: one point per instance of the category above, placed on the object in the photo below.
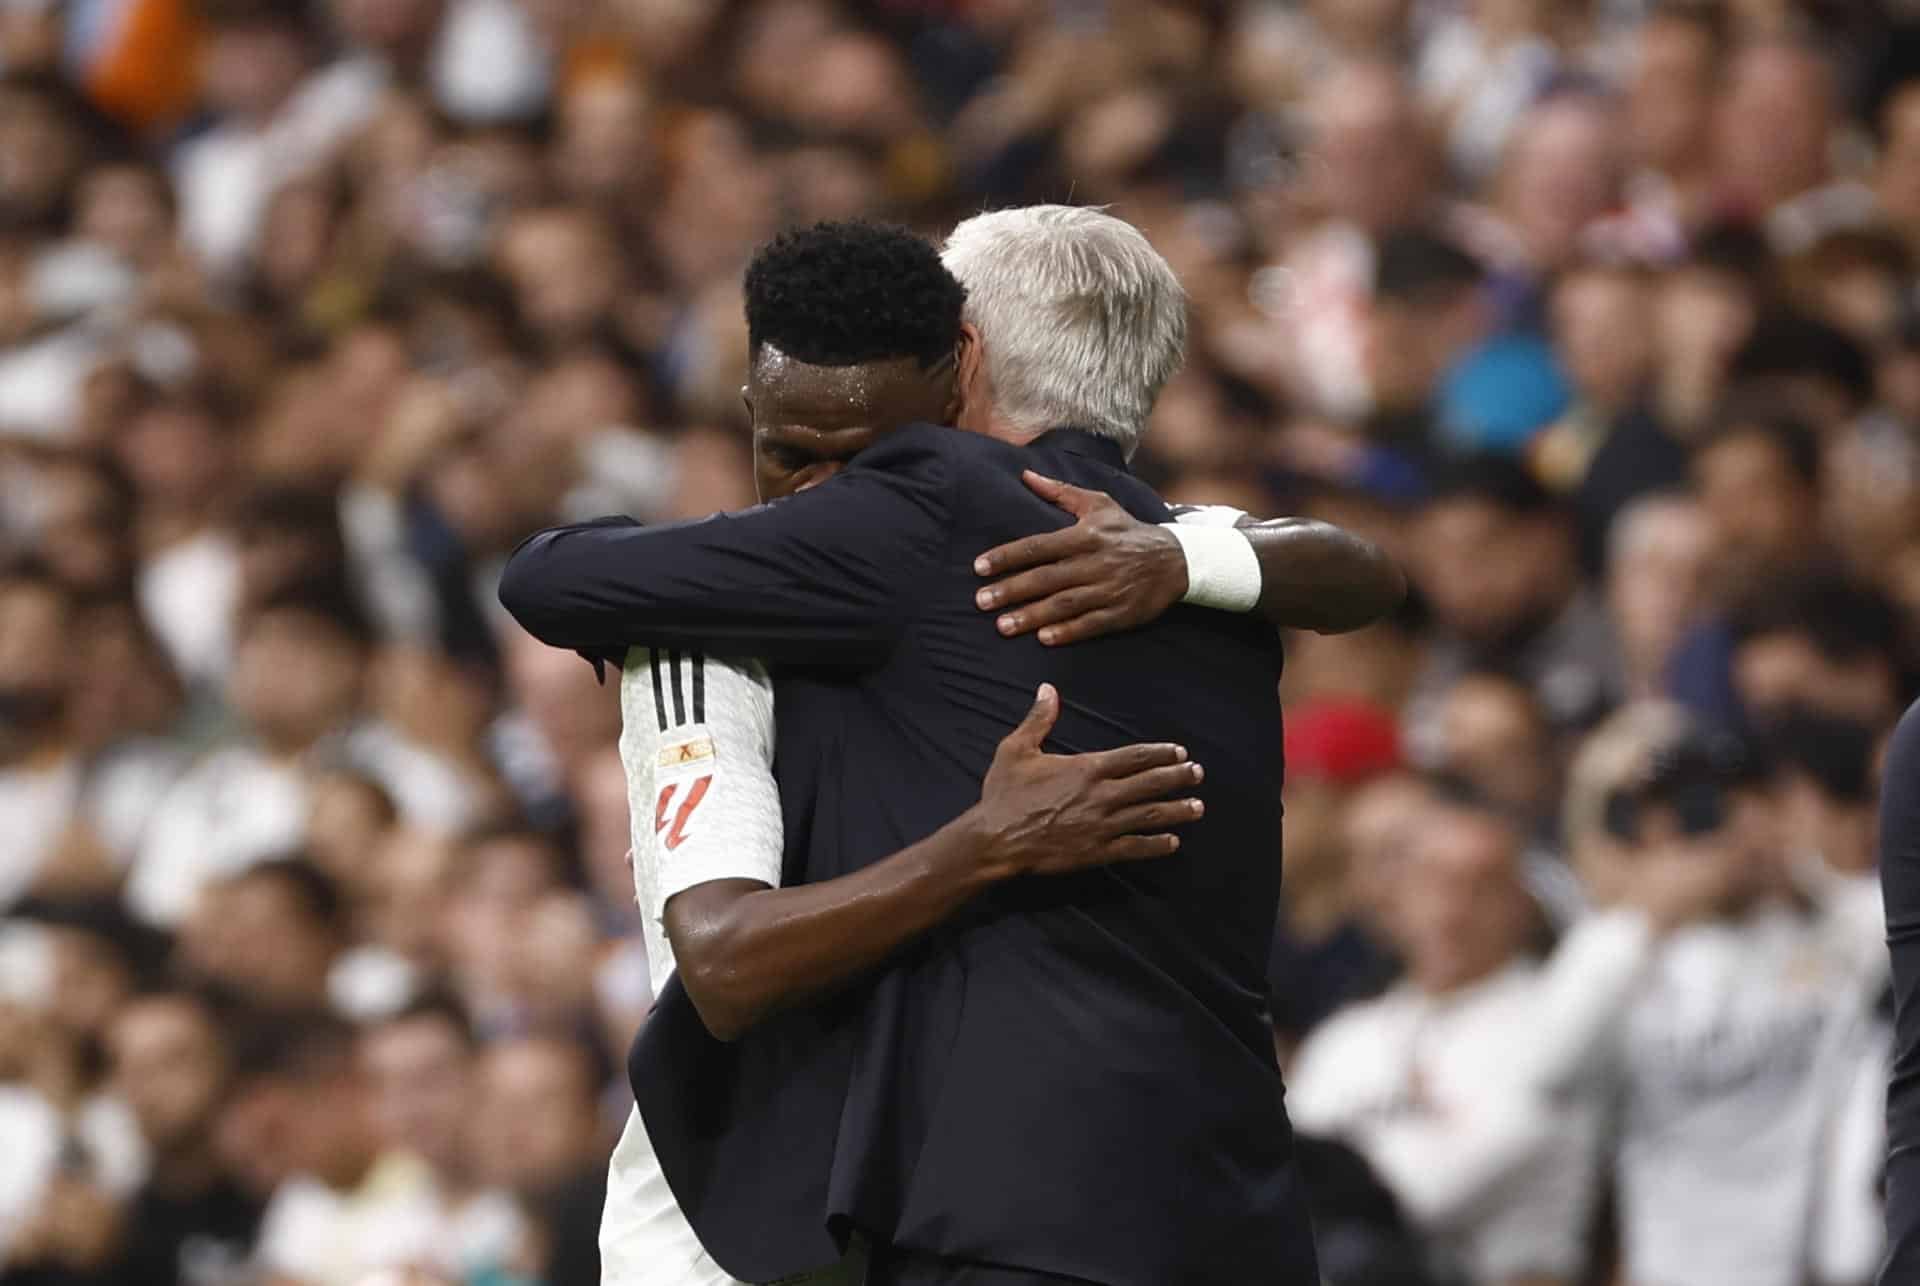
pixel 1900 880
pixel 825 577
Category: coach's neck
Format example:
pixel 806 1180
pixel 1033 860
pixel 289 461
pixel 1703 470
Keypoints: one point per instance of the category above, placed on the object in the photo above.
pixel 974 409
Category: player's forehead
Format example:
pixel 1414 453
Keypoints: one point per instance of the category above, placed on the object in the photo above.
pixel 788 391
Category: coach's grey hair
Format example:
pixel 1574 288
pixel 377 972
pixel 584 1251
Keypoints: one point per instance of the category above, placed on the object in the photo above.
pixel 1082 321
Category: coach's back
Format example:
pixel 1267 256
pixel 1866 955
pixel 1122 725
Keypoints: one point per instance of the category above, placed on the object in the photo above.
pixel 1077 1076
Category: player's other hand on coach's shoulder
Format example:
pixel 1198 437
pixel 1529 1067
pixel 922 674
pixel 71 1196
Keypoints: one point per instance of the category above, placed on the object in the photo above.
pixel 1042 814
pixel 1108 572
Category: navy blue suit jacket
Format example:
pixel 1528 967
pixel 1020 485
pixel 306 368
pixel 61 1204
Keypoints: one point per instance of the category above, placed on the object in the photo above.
pixel 1900 880
pixel 1076 1075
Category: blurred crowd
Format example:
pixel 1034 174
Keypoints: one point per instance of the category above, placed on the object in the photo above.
pixel 318 952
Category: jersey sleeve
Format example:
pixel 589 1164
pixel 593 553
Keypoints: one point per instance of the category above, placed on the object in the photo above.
pixel 697 744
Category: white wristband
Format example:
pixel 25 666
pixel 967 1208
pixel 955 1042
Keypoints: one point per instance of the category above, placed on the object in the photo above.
pixel 1222 571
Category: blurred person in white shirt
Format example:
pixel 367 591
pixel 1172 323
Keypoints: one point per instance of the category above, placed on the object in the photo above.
pixel 274 122
pixel 179 453
pixel 1825 787
pixel 1482 68
pixel 1371 173
pixel 73 1150
pixel 1827 794
pixel 1709 999
pixel 344 1209
pixel 1424 1081
pixel 420 1064
pixel 39 773
pixel 297 682
pixel 538 1131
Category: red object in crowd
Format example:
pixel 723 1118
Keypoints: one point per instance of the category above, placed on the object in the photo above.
pixel 1344 742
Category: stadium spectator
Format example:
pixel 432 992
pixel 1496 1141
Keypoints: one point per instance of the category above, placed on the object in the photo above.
pixel 1759 479
pixel 1560 173
pixel 1774 126
pixel 1726 1021
pixel 344 1206
pixel 1430 311
pixel 1824 782
pixel 1493 738
pixel 296 680
pixel 1897 178
pixel 1369 175
pixel 347 823
pixel 1675 62
pixel 1494 555
pixel 1659 554
pixel 1609 448
pixel 541 1135
pixel 270 934
pixel 190 1219
pixel 38 772
pixel 1825 645
pixel 177 452
pixel 420 1064
pixel 1431 1070
pixel 1757 476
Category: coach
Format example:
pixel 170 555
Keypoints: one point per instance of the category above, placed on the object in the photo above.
pixel 1076 1080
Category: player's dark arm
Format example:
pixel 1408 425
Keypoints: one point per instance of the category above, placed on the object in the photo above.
pixel 823 577
pixel 744 950
pixel 1900 881
pixel 1316 576
pixel 1110 571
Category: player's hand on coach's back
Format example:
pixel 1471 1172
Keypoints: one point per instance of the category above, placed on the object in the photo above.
pixel 1108 572
pixel 1044 814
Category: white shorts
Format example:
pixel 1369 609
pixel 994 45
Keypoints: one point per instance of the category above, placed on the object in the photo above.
pixel 644 1239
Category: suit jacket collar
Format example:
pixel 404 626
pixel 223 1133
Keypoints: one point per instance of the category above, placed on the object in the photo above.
pixel 1081 442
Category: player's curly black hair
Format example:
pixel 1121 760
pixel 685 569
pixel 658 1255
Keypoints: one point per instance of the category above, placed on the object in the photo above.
pixel 839 294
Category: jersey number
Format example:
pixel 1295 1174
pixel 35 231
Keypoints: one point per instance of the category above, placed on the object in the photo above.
pixel 677 832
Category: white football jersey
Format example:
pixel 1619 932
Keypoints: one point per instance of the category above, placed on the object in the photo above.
pixel 696 737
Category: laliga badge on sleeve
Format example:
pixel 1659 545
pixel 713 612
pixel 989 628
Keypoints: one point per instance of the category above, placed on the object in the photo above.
pixel 683 776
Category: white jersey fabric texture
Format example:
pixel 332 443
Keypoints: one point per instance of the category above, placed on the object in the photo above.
pixel 696 738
